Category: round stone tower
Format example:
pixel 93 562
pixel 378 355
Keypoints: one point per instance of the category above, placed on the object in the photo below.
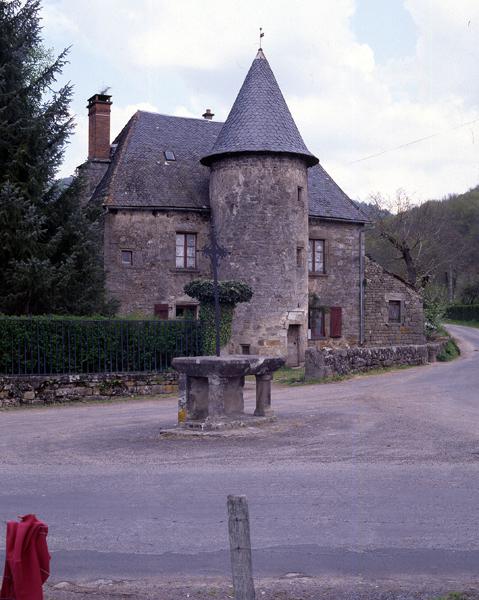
pixel 259 207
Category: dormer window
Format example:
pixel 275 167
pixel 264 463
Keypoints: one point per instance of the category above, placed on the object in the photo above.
pixel 169 155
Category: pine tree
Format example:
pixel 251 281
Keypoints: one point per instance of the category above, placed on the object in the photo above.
pixel 49 254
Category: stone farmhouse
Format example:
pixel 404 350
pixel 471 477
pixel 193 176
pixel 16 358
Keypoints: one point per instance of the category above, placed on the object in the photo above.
pixel 290 231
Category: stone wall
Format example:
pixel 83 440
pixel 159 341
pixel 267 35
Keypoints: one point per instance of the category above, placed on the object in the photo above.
pixel 260 206
pixel 326 362
pixel 339 285
pixel 382 287
pixel 153 277
pixel 47 389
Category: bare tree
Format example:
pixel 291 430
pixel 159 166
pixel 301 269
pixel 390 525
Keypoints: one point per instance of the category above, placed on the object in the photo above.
pixel 413 239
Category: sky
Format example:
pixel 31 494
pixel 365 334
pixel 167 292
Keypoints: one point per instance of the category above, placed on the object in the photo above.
pixel 364 79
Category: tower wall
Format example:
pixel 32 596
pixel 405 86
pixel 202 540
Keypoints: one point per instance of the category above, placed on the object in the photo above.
pixel 259 207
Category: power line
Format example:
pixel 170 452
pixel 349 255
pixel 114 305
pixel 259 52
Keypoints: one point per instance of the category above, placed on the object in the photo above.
pixel 417 141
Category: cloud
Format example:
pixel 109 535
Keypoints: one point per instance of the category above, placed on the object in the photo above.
pixel 189 55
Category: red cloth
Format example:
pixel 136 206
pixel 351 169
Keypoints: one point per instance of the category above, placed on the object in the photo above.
pixel 27 564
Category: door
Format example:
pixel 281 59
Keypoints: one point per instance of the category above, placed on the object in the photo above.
pixel 293 346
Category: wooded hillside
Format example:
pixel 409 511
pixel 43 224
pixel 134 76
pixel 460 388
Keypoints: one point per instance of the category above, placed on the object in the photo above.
pixel 432 244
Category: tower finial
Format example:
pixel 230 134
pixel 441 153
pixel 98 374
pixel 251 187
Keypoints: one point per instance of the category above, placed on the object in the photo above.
pixel 261 35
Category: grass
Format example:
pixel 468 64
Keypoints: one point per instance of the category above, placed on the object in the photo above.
pixel 295 376
pixel 465 323
pixel 453 596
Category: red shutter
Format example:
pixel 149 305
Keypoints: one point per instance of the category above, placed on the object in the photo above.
pixel 336 321
pixel 161 311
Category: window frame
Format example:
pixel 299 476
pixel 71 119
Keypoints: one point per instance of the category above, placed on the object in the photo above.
pixel 399 304
pixel 322 334
pixel 184 266
pixel 313 255
pixel 125 251
pixel 187 305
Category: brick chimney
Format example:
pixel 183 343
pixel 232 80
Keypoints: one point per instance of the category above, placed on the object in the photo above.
pixel 208 115
pixel 99 127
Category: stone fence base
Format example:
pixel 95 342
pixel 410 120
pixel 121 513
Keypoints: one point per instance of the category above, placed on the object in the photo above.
pixel 16 390
pixel 329 361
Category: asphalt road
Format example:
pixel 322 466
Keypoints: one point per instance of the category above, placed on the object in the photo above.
pixel 374 477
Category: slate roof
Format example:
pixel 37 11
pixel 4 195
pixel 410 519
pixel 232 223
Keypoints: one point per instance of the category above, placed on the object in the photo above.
pixel 328 201
pixel 139 176
pixel 259 120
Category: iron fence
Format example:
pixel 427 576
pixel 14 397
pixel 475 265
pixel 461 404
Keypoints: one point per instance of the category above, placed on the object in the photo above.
pixel 45 346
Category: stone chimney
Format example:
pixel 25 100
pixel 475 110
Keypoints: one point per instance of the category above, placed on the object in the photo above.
pixel 208 115
pixel 99 127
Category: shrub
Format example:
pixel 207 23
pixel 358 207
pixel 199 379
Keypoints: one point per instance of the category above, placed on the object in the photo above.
pixel 463 312
pixel 230 292
pixel 449 352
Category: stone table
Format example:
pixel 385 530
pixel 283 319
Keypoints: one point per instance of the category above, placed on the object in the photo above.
pixel 211 389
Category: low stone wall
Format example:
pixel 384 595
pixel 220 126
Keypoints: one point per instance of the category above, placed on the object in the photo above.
pixel 330 361
pixel 16 390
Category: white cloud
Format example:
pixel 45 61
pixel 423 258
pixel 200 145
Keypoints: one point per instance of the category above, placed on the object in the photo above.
pixel 346 105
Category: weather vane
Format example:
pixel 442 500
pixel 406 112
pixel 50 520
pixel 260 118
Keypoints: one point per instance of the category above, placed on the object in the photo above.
pixel 261 35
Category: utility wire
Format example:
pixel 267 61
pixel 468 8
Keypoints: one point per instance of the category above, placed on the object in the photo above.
pixel 427 137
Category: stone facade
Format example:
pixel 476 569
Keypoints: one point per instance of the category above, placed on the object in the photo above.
pixel 152 277
pixel 339 285
pixel 48 389
pixel 382 289
pixel 260 213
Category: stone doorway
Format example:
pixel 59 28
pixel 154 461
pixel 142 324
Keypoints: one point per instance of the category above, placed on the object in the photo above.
pixel 293 346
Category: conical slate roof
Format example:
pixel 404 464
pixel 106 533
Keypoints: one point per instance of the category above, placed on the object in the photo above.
pixel 260 120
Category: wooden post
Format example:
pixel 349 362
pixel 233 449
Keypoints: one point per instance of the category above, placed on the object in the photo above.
pixel 240 547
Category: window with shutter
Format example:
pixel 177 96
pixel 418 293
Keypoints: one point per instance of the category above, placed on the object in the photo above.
pixel 161 311
pixel 336 316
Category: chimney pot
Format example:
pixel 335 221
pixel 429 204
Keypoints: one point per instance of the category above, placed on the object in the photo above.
pixel 208 115
pixel 99 127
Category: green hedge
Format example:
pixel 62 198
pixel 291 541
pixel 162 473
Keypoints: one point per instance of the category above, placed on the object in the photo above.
pixel 463 312
pixel 49 345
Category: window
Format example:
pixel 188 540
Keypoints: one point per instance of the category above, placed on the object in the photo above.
pixel 299 256
pixel 169 155
pixel 185 311
pixel 245 349
pixel 394 311
pixel 186 250
pixel 300 194
pixel 316 323
pixel 316 256
pixel 126 257
pixel 161 311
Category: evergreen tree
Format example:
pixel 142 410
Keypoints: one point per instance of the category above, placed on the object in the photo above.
pixel 49 254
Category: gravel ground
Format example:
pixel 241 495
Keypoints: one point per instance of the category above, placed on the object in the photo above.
pixel 293 587
pixel 367 488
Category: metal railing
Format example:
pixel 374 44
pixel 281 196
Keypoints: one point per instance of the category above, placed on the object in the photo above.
pixel 42 346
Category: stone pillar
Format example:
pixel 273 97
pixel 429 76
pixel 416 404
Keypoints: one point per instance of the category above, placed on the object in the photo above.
pixel 225 396
pixel 263 396
pixel 196 398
